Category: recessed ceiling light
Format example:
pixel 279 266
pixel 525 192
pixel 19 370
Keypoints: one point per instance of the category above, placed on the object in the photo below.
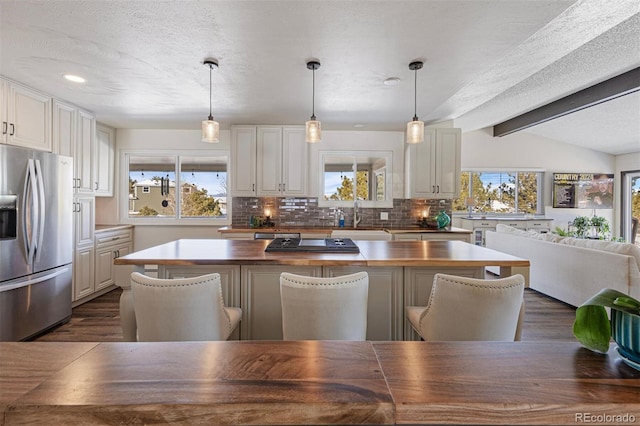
pixel 391 81
pixel 359 126
pixel 74 78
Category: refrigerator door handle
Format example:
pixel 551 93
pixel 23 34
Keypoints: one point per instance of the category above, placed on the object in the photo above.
pixel 29 213
pixel 41 210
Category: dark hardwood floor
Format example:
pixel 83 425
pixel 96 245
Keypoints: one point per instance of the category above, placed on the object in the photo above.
pixel 546 319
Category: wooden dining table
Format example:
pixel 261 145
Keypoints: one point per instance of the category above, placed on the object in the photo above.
pixel 315 382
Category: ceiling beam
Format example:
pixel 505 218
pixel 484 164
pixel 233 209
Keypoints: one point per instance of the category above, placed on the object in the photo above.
pixel 607 90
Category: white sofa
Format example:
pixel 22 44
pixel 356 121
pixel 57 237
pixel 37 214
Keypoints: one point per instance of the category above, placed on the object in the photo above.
pixel 571 269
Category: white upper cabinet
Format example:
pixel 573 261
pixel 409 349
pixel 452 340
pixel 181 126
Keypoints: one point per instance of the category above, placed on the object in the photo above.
pixel 432 168
pixel 295 161
pixel 104 161
pixel 76 134
pixel 243 160
pixel 64 128
pixel 85 152
pixel 268 161
pixel 282 161
pixel 26 116
pixel 269 167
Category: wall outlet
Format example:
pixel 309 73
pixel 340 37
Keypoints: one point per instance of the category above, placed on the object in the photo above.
pixel 384 216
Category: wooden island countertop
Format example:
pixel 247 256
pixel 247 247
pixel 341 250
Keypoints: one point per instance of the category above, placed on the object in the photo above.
pixel 401 274
pixel 315 382
pixel 372 253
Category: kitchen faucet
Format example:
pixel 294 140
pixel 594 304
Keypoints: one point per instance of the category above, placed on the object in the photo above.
pixel 356 218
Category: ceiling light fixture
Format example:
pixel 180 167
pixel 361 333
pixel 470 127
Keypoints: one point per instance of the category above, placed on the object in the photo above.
pixel 210 128
pixel 74 78
pixel 415 128
pixel 391 81
pixel 313 126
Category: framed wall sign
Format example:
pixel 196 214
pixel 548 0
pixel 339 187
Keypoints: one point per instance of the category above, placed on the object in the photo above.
pixel 583 190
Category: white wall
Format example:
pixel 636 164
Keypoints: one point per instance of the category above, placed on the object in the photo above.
pixel 524 150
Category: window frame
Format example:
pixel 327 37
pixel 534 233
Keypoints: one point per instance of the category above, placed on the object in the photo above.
pixel 123 198
pixel 515 170
pixel 388 178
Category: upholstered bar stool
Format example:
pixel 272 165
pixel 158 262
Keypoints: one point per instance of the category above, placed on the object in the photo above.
pixel 315 308
pixel 181 309
pixel 462 308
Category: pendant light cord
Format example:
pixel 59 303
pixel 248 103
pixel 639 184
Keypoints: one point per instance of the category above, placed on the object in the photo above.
pixel 415 95
pixel 210 71
pixel 313 95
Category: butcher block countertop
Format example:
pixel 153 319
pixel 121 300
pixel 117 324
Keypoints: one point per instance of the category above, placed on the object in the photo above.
pixel 372 253
pixel 314 382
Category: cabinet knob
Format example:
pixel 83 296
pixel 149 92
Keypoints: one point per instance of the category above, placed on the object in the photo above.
pixel 4 127
pixel 96 186
pixel 13 128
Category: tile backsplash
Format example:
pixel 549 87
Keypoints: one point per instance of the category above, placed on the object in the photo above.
pixel 305 212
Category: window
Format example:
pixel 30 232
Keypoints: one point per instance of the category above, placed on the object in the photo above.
pixel 500 192
pixel 355 175
pixel 172 187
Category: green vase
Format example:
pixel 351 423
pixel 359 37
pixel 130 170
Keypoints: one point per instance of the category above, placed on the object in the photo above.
pixel 443 219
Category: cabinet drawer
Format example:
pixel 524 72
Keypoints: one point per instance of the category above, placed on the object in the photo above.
pixel 516 224
pixel 485 224
pixel 106 238
pixel 534 224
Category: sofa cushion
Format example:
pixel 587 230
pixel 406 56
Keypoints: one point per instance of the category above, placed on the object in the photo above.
pixel 602 245
pixel 506 229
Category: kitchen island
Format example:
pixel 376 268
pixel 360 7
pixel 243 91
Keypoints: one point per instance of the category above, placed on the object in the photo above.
pixel 400 274
pixel 309 382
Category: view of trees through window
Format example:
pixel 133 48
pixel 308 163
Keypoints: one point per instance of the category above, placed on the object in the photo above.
pixel 500 192
pixel 202 183
pixel 344 192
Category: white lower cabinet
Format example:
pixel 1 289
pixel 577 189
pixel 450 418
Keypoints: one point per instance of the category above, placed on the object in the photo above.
pixel 94 271
pixel 109 246
pixel 84 253
pixel 83 283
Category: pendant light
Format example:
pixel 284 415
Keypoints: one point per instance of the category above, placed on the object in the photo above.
pixel 210 128
pixel 313 125
pixel 415 128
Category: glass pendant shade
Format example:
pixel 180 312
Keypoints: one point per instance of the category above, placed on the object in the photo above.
pixel 415 128
pixel 210 128
pixel 210 131
pixel 313 131
pixel 415 131
pixel 313 125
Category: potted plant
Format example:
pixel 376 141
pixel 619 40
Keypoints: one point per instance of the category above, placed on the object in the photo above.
pixel 594 330
pixel 581 224
pixel 600 226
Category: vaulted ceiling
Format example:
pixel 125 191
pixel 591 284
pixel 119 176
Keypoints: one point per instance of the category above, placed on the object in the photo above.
pixel 484 61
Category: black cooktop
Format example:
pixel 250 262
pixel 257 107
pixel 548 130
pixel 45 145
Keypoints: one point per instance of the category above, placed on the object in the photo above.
pixel 326 245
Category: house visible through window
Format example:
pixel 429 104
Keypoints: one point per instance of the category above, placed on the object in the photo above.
pixel 500 193
pixel 153 180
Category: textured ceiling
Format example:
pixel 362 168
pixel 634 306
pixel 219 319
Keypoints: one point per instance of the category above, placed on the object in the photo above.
pixel 485 61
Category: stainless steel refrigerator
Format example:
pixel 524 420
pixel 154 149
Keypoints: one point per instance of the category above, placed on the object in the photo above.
pixel 36 241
